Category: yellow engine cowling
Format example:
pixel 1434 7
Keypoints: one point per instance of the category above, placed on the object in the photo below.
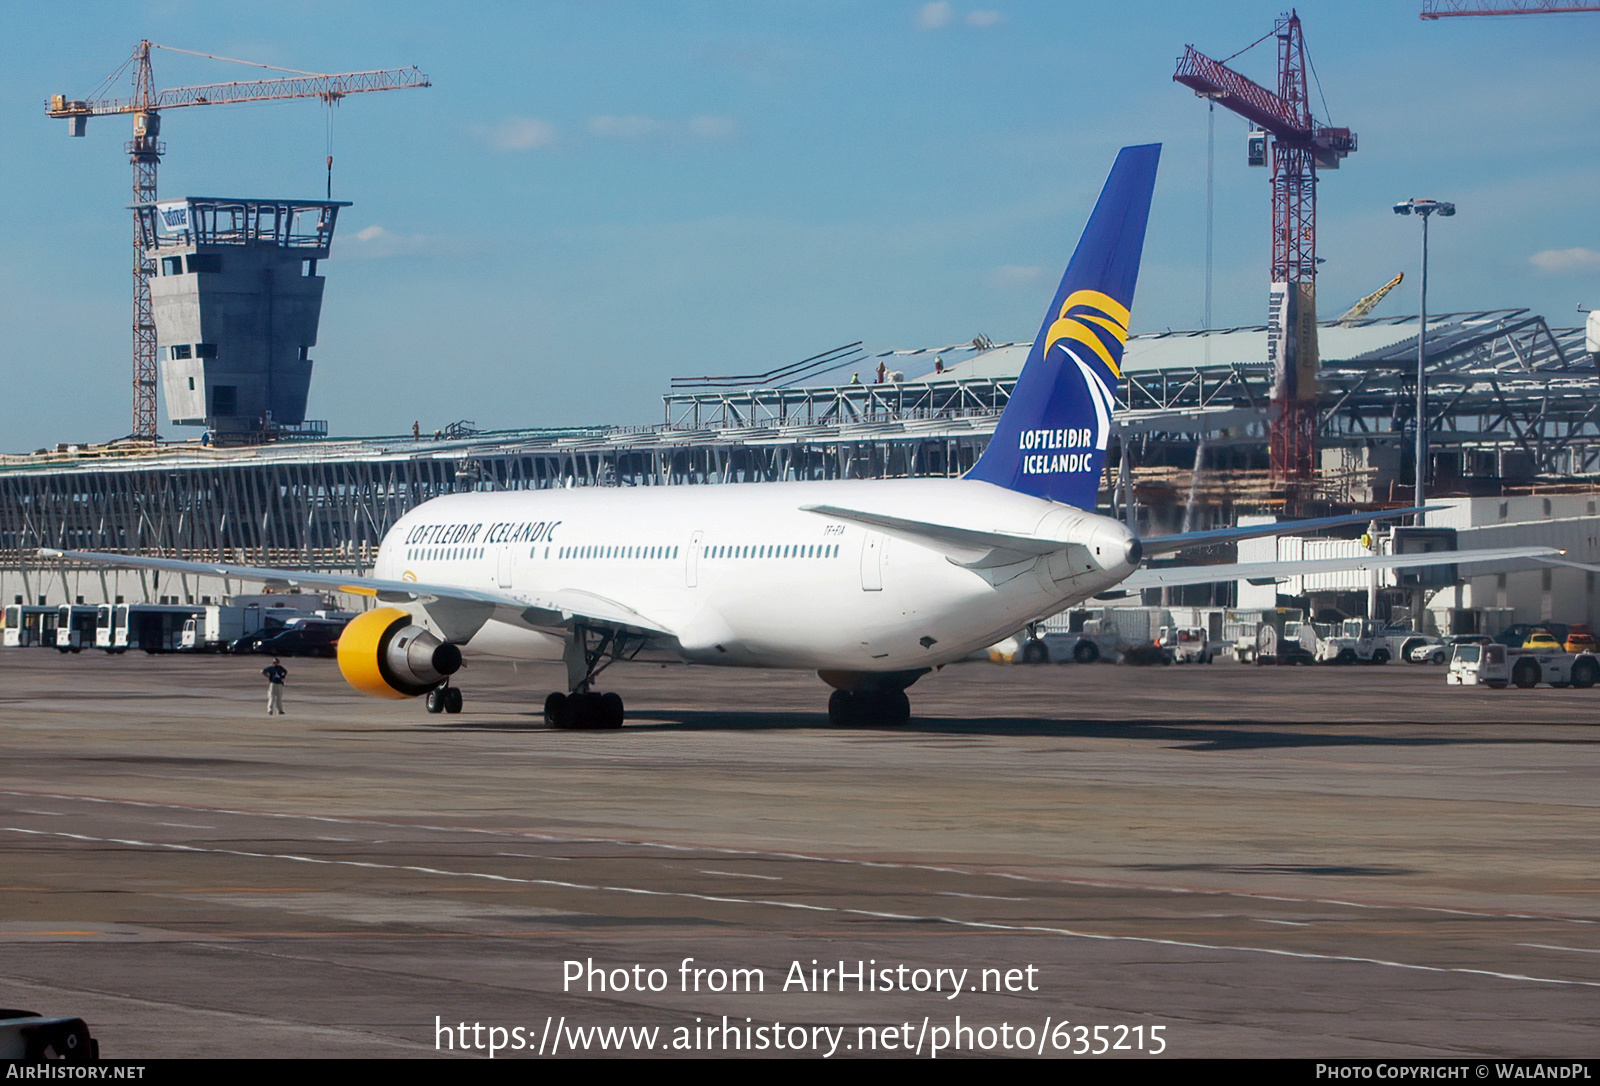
pixel 384 653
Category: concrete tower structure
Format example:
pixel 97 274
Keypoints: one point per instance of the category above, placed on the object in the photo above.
pixel 236 299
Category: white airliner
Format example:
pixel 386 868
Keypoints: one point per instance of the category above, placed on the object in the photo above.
pixel 872 584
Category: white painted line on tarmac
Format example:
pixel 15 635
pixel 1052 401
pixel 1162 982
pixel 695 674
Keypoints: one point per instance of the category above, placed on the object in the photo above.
pixel 977 897
pixel 838 910
pixel 531 856
pixel 743 875
pixel 1569 949
pixel 1049 880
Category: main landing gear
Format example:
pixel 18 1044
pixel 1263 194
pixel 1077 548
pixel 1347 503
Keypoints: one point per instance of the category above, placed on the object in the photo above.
pixel 869 699
pixel 854 708
pixel 585 709
pixel 444 698
pixel 588 653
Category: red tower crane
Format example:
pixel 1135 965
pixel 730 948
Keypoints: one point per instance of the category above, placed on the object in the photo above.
pixel 1444 9
pixel 1299 147
pixel 145 151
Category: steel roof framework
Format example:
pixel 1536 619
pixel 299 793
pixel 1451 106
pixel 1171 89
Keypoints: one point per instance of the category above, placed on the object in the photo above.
pixel 1503 380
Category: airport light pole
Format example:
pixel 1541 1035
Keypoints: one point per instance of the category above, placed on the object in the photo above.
pixel 1424 208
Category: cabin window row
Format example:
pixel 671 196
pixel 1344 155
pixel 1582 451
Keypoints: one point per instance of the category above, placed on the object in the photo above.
pixel 773 550
pixel 597 551
pixel 424 554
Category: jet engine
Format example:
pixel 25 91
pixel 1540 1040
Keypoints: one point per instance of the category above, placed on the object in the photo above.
pixel 384 653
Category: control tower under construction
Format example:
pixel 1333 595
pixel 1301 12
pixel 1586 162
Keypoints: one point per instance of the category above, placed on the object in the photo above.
pixel 236 299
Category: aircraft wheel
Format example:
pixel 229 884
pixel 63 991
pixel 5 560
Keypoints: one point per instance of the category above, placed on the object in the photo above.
pixel 587 710
pixel 843 709
pixel 435 700
pixel 1034 652
pixel 452 699
pixel 610 711
pixel 898 706
pixel 558 710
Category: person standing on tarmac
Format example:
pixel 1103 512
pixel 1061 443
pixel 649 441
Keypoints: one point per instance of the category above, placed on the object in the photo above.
pixel 275 676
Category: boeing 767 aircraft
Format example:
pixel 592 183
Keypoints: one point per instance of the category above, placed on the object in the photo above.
pixel 872 584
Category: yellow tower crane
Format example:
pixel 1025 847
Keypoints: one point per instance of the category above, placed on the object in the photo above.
pixel 1370 302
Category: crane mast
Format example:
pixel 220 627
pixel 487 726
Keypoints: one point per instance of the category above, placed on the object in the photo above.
pixel 1299 148
pixel 145 151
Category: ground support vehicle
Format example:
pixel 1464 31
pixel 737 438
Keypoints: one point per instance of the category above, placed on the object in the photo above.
pixel 153 627
pixel 1497 666
pixel 1441 653
pixel 1082 637
pixel 75 626
pixel 30 626
pixel 1360 641
pixel 1282 636
pixel 1186 644
pixel 220 624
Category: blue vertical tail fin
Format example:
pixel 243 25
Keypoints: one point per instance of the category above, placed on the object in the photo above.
pixel 1051 439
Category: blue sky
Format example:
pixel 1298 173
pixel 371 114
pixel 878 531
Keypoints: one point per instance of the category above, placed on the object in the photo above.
pixel 593 197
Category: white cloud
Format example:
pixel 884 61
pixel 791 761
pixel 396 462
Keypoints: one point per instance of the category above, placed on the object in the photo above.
pixel 1566 261
pixel 520 134
pixel 625 128
pixel 379 243
pixel 935 15
pixel 941 13
pixel 636 128
pixel 1016 275
pixel 713 128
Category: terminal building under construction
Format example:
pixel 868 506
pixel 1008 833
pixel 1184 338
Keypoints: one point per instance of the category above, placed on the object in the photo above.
pixel 1515 427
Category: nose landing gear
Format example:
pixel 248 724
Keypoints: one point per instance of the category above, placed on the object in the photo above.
pixel 444 698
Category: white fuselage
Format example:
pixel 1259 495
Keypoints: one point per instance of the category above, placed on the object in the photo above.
pixel 743 576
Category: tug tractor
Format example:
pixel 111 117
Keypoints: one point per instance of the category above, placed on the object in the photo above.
pixel 1496 666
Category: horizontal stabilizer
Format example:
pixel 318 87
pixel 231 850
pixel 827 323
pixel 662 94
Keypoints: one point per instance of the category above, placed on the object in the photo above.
pixel 1166 544
pixel 969 547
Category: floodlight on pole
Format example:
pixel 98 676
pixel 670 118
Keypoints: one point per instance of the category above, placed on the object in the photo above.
pixel 1426 209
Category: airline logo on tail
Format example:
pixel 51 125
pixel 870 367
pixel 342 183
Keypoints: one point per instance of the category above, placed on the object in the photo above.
pixel 1110 323
pixel 1051 440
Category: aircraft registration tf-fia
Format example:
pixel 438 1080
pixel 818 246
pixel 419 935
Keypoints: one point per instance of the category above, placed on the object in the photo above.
pixel 872 584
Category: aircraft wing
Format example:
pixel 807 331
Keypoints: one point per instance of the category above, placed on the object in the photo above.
pixel 1263 572
pixel 551 612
